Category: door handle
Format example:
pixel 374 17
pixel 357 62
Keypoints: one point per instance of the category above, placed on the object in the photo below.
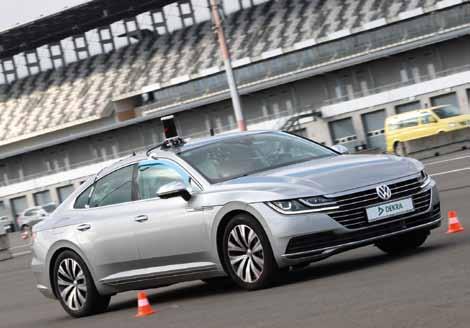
pixel 84 227
pixel 141 218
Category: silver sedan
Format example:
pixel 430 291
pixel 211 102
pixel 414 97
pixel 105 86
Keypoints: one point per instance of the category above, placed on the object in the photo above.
pixel 243 206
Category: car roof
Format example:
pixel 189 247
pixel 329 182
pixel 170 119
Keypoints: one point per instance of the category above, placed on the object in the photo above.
pixel 173 151
pixel 412 113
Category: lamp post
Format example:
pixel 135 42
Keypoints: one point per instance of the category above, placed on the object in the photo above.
pixel 237 107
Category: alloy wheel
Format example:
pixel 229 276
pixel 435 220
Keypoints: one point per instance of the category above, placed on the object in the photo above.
pixel 71 284
pixel 245 253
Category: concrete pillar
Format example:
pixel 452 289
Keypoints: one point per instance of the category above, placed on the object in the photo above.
pixel 462 98
pixel 5 253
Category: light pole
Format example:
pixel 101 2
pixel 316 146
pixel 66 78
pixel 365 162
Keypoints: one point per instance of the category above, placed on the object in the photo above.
pixel 237 107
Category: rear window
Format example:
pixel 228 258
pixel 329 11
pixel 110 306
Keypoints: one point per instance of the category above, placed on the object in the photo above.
pixel 446 112
pixel 49 208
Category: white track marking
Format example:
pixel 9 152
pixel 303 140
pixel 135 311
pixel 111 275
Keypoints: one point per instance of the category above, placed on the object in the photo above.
pixel 452 171
pixel 447 160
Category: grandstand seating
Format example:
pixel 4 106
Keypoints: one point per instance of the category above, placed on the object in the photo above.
pixel 81 91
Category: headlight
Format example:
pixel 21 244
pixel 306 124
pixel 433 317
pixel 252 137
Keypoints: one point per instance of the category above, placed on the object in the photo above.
pixel 315 201
pixel 289 206
pixel 424 178
pixel 311 204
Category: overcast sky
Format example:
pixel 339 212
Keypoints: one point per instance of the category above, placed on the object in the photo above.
pixel 22 11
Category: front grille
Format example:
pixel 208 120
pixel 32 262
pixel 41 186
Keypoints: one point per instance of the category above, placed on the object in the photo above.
pixel 352 208
pixel 323 240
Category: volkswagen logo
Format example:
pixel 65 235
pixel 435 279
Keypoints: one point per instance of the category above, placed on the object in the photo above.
pixel 384 192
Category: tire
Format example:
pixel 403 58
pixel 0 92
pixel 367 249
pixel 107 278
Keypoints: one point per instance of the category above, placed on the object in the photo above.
pixel 403 243
pixel 245 244
pixel 75 288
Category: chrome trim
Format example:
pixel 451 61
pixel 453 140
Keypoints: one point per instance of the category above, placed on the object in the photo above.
pixel 168 271
pixel 371 187
pixel 306 203
pixel 353 243
pixel 301 212
pixel 426 182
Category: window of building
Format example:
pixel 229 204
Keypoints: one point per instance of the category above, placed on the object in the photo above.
pixel 408 107
pixel 18 205
pixel 447 99
pixel 42 197
pixel 64 192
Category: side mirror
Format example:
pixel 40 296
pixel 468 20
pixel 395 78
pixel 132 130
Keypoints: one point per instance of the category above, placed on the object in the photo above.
pixel 343 150
pixel 174 189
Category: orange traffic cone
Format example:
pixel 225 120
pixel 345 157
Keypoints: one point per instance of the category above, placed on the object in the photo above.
pixel 454 223
pixel 144 308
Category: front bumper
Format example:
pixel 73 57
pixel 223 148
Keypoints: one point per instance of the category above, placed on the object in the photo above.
pixel 323 245
pixel 315 236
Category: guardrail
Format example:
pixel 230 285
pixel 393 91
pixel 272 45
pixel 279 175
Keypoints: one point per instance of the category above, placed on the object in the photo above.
pixel 440 144
pixel 5 253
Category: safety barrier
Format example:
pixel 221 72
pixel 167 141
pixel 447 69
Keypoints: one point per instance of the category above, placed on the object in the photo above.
pixel 440 144
pixel 5 253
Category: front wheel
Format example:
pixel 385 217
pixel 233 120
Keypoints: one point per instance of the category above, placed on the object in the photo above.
pixel 403 243
pixel 75 288
pixel 247 254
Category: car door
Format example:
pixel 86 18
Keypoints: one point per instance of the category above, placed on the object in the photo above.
pixel 409 128
pixel 429 124
pixel 106 223
pixel 172 231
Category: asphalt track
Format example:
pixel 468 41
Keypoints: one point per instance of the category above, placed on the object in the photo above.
pixel 362 288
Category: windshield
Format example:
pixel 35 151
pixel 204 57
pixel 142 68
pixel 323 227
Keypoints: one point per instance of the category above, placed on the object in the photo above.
pixel 446 112
pixel 236 157
pixel 49 208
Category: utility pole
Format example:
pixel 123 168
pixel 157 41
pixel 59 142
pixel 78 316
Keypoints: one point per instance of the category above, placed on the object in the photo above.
pixel 237 107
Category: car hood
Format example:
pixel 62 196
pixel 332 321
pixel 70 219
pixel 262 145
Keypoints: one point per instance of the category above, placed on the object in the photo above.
pixel 324 176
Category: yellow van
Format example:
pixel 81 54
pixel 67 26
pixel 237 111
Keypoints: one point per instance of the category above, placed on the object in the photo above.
pixel 422 123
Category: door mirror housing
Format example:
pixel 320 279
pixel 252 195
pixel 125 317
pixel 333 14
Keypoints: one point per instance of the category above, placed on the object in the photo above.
pixel 174 189
pixel 343 150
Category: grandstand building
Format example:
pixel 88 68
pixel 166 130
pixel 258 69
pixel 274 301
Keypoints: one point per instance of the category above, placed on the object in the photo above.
pixel 90 84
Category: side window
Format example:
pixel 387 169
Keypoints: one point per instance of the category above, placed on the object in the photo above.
pixel 114 188
pixel 427 118
pixel 409 122
pixel 151 178
pixel 82 200
pixel 29 213
pixel 34 212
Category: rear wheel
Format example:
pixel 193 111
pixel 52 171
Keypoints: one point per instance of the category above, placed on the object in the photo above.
pixel 75 288
pixel 403 243
pixel 247 254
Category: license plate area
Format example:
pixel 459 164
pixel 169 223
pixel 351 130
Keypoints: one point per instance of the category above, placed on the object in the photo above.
pixel 390 209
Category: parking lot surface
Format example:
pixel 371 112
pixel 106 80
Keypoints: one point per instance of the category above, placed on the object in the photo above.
pixel 362 288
